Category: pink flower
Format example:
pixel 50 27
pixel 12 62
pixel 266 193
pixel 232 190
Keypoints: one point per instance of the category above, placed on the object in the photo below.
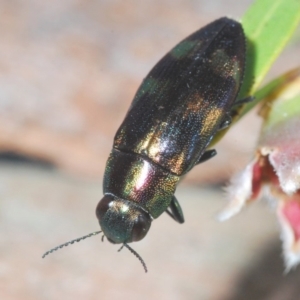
pixel 274 173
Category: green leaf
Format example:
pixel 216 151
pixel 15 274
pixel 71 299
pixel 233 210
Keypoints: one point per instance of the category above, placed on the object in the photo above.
pixel 283 111
pixel 281 98
pixel 274 87
pixel 268 25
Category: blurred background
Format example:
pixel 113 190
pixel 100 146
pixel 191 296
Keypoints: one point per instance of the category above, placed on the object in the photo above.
pixel 68 72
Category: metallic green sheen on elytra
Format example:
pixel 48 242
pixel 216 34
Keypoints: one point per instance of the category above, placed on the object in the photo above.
pixel 185 99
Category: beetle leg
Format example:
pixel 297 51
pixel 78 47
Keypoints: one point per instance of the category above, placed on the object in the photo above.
pixel 228 117
pixel 225 122
pixel 208 154
pixel 244 100
pixel 235 110
pixel 175 211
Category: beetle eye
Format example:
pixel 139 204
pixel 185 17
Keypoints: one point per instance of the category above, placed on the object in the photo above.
pixel 103 206
pixel 140 227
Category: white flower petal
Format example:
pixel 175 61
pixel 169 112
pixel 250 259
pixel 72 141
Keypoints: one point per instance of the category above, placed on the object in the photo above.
pixel 238 192
pixel 290 246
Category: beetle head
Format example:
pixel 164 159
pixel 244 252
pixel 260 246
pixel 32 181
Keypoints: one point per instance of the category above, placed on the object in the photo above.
pixel 122 221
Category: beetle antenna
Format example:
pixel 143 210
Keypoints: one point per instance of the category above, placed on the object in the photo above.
pixel 121 248
pixel 135 254
pixel 71 242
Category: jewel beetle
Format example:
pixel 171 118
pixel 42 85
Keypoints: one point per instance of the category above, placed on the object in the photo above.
pixel 187 97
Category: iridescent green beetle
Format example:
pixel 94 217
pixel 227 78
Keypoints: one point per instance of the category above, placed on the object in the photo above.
pixel 183 102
